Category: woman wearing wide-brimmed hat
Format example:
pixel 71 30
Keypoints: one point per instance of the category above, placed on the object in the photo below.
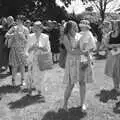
pixel 112 67
pixel 37 46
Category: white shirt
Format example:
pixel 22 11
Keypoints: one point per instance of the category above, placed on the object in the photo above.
pixel 43 42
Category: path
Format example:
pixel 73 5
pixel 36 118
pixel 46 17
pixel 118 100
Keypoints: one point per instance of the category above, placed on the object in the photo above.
pixel 103 103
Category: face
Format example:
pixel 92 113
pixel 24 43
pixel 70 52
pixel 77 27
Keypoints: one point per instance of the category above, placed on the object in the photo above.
pixel 84 28
pixel 4 21
pixel 106 27
pixel 37 29
pixel 115 27
pixel 18 21
pixel 74 29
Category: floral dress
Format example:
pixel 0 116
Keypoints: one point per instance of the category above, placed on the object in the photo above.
pixel 18 39
pixel 73 71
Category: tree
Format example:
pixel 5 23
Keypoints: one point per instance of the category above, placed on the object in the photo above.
pixel 101 6
pixel 39 9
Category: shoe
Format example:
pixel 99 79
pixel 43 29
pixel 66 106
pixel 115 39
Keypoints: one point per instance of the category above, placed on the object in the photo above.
pixel 83 108
pixel 39 92
pixel 117 90
pixel 65 108
pixel 23 82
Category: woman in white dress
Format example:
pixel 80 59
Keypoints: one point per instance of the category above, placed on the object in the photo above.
pixel 88 44
pixel 38 44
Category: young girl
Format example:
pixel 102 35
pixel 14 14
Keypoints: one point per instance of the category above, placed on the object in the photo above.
pixel 87 44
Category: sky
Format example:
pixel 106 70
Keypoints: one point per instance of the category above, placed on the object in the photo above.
pixel 78 7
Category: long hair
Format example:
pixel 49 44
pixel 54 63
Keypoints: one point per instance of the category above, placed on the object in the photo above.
pixel 69 25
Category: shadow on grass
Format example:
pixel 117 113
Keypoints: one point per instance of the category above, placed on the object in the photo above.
pixel 99 57
pixel 4 75
pixel 106 95
pixel 25 90
pixel 26 101
pixel 9 89
pixel 2 70
pixel 116 109
pixel 72 114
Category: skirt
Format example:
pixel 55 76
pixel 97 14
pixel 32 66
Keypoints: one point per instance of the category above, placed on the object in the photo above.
pixel 17 57
pixel 110 64
pixel 74 73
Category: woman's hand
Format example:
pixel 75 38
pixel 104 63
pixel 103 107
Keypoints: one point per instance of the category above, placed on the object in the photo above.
pixel 43 49
pixel 86 53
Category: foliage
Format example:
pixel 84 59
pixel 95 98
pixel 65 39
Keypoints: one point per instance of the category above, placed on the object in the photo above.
pixel 39 9
pixel 101 6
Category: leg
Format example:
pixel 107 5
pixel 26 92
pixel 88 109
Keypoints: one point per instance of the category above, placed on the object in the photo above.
pixel 98 47
pixel 67 95
pixel 22 71
pixel 30 79
pixel 10 69
pixel 58 54
pixel 53 57
pixel 82 94
pixel 116 83
pixel 14 72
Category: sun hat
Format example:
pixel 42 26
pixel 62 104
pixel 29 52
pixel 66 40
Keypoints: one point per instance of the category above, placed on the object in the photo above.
pixel 85 23
pixel 39 24
pixel 28 21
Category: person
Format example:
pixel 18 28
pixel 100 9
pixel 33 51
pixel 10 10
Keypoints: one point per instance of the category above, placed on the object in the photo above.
pixel 112 43
pixel 107 27
pixel 72 67
pixel 17 39
pixel 38 44
pixel 10 24
pixel 3 49
pixel 28 25
pixel 99 34
pixel 87 43
pixel 54 42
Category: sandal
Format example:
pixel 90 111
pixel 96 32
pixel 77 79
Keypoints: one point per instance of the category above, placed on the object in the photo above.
pixel 23 82
pixel 83 108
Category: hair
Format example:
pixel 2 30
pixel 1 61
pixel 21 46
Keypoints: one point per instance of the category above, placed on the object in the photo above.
pixel 21 17
pixel 118 23
pixel 69 25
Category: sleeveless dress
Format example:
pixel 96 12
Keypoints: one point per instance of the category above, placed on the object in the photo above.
pixel 17 55
pixel 73 71
pixel 112 67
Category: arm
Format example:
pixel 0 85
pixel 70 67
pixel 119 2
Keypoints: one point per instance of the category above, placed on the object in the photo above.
pixel 44 45
pixel 10 33
pixel 69 49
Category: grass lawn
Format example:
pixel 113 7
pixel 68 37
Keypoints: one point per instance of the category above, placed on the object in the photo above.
pixel 103 102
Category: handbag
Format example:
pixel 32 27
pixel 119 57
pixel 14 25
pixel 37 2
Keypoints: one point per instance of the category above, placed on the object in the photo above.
pixel 62 57
pixel 45 61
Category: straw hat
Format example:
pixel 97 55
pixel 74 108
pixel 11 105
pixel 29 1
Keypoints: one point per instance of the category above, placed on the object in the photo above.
pixel 85 23
pixel 39 24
